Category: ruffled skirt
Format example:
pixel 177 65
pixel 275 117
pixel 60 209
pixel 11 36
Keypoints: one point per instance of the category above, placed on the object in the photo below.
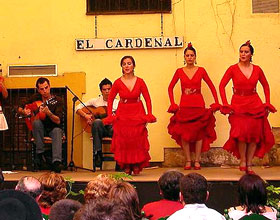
pixel 130 136
pixel 249 124
pixel 3 122
pixel 191 125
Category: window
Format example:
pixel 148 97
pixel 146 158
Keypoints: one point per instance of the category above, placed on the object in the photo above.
pixel 96 7
pixel 32 70
pixel 267 6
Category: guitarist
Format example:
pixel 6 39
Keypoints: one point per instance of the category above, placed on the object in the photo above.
pixel 47 122
pixel 98 129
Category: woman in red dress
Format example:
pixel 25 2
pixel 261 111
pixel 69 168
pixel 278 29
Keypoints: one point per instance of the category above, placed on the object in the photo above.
pixel 192 125
pixel 250 133
pixel 130 138
pixel 3 95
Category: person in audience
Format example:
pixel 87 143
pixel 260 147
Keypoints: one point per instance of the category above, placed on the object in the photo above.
pixel 31 186
pixel 125 194
pixel 169 189
pixel 17 205
pixel 104 209
pixel 193 194
pixel 54 189
pixel 64 209
pixel 99 187
pixel 252 198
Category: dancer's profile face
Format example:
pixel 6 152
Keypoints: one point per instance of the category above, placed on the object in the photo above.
pixel 190 57
pixel 127 66
pixel 245 54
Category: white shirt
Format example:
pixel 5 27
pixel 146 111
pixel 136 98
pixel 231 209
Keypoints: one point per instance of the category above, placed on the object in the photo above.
pixel 196 212
pixel 97 102
pixel 237 214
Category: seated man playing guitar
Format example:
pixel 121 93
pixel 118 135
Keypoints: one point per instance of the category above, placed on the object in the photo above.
pixel 44 112
pixel 93 119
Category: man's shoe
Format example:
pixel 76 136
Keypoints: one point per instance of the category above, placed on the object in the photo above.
pixel 98 159
pixel 56 167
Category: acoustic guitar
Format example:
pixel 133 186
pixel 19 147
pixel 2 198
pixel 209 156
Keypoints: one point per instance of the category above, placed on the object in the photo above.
pixel 96 113
pixel 35 114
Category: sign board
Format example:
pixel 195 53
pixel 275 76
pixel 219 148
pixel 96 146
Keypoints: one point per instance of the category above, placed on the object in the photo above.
pixel 129 43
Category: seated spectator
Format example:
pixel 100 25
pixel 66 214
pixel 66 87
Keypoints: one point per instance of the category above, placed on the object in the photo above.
pixel 252 198
pixel 31 186
pixel 99 187
pixel 169 189
pixel 194 194
pixel 104 209
pixel 64 209
pixel 54 189
pixel 124 193
pixel 16 205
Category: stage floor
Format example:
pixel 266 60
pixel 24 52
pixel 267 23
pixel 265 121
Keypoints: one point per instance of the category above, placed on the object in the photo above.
pixel 153 174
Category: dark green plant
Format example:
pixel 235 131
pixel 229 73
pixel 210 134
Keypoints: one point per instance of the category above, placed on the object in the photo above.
pixel 120 176
pixel 70 182
pixel 273 196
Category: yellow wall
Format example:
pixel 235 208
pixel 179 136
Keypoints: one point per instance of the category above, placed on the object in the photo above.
pixel 40 32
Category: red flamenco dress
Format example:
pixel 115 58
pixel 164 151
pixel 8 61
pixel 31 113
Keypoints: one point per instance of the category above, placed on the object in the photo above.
pixel 130 143
pixel 247 113
pixel 191 120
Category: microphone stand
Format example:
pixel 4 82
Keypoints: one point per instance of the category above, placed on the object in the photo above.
pixel 75 98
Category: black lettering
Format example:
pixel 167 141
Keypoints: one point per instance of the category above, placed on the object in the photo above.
pixel 148 42
pixel 168 43
pixel 119 43
pixel 138 42
pixel 158 43
pixel 88 45
pixel 80 44
pixel 107 43
pixel 177 44
pixel 128 43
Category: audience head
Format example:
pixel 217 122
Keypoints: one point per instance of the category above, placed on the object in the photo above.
pixel 31 186
pixel 64 209
pixel 193 188
pixel 104 82
pixel 104 209
pixel 125 194
pixel 252 193
pixel 54 189
pixel 169 185
pixel 99 187
pixel 17 205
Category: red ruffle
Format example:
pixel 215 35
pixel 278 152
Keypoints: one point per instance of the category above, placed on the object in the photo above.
pixel 173 108
pixel 130 143
pixel 249 124
pixel 191 125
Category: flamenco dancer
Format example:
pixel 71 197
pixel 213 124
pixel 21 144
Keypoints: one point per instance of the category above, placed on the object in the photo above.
pixel 3 95
pixel 130 138
pixel 192 125
pixel 250 133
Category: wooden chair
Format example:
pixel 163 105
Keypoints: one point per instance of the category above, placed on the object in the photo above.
pixel 106 155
